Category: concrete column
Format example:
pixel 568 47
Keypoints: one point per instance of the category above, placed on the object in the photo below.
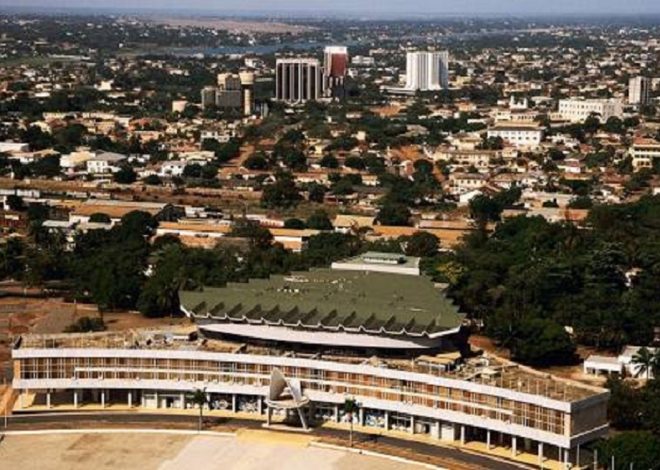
pixel 260 405
pixel 462 435
pixel 361 417
pixel 566 455
pixel 233 403
pixel 336 413
pixel 75 398
pixel 387 420
pixel 103 399
pixel 47 399
pixel 541 454
pixel 269 411
pixel 130 398
pixel 488 439
pixel 412 424
pixel 514 446
pixel 183 401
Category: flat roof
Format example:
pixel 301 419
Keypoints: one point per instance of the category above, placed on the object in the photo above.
pixel 361 301
pixel 486 369
pixel 387 259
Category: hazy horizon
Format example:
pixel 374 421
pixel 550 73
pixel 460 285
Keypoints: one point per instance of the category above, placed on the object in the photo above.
pixel 411 8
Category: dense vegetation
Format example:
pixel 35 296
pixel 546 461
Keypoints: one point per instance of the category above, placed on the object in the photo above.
pixel 532 278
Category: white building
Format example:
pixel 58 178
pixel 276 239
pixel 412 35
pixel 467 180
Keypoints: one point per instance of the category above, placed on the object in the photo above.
pixel 298 79
pixel 639 91
pixel 623 364
pixel 519 135
pixel 644 152
pixel 6 147
pixel 172 168
pixel 75 159
pixel 363 61
pixel 578 109
pixel 104 163
pixel 427 70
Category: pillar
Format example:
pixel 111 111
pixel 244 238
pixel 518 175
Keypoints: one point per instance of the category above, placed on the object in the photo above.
pixel 20 398
pixel 488 439
pixel 269 412
pixel 233 403
pixel 102 398
pixel 336 413
pixel 540 453
pixel 412 424
pixel 514 446
pixel 566 454
pixel 462 435
pixel 387 420
pixel 182 397
pixel 361 416
pixel 130 398
pixel 260 405
pixel 47 399
pixel 75 398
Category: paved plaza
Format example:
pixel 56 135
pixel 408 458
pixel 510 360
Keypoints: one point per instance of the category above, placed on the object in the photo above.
pixel 250 450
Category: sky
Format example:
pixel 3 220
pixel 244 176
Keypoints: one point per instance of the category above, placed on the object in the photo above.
pixel 367 7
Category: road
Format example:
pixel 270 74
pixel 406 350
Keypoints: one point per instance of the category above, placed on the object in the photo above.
pixel 446 457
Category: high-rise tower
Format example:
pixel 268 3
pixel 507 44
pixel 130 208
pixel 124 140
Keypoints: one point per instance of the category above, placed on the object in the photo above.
pixel 297 79
pixel 335 66
pixel 427 71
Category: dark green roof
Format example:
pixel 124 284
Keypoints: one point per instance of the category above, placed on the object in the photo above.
pixel 370 302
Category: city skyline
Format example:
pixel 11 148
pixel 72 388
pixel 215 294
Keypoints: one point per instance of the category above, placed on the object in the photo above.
pixel 386 8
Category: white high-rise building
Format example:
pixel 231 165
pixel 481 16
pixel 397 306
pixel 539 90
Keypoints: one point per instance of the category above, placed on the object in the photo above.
pixel 427 70
pixel 298 80
pixel 639 90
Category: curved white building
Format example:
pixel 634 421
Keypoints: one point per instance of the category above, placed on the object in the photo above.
pixel 308 341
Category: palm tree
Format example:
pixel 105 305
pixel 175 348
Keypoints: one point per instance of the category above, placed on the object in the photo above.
pixel 199 398
pixel 645 362
pixel 351 407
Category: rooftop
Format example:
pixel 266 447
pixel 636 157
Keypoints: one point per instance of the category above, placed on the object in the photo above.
pixel 486 369
pixel 354 301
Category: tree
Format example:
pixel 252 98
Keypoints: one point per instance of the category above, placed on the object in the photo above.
pixel 393 214
pixel 48 166
pixel 351 407
pixel 86 325
pixel 281 194
pixel 125 175
pixel 319 220
pixel 581 202
pixel 630 449
pixel 644 360
pixel 316 192
pixel 422 244
pixel 256 162
pixel 329 161
pixel 296 224
pixel 199 398
pixel 354 162
pixel 541 342
pixel 260 237
pixel 152 180
pixel 100 218
pixel 15 203
pixel 192 171
pixel 485 209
